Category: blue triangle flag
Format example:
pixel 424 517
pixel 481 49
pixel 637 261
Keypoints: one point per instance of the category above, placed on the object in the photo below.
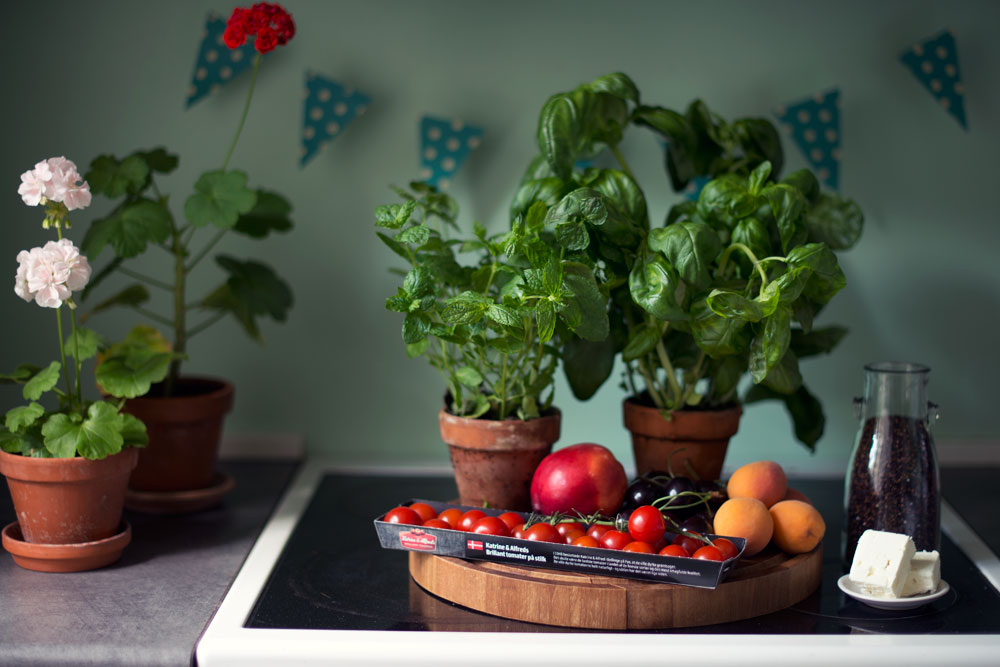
pixel 444 146
pixel 216 63
pixel 694 186
pixel 329 107
pixel 814 124
pixel 934 62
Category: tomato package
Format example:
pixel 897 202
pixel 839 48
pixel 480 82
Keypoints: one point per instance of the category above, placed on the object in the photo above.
pixel 498 535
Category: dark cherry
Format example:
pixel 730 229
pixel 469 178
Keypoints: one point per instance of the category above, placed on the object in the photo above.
pixel 640 492
pixel 696 524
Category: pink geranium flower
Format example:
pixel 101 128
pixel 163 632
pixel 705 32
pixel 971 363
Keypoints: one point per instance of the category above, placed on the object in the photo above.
pixel 50 274
pixel 57 180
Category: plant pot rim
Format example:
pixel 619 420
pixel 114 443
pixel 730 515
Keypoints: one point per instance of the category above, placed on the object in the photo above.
pixel 222 387
pixel 551 413
pixel 637 402
pixel 73 557
pixel 66 469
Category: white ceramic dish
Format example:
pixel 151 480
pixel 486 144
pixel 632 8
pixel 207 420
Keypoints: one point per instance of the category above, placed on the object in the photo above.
pixel 847 586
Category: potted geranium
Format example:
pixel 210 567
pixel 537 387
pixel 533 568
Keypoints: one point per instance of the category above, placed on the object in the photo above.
pixel 185 413
pixel 728 286
pixel 487 325
pixel 67 463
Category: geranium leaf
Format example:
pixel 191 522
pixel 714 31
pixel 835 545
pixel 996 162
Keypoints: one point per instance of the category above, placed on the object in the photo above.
pixel 269 214
pixel 133 295
pixel 84 342
pixel 22 416
pixel 220 198
pixel 42 381
pixel 132 371
pixel 128 229
pixel 252 290
pixel 112 178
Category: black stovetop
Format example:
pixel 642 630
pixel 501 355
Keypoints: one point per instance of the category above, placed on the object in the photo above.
pixel 333 574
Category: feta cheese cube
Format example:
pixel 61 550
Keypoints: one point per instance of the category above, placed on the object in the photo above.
pixel 925 574
pixel 882 563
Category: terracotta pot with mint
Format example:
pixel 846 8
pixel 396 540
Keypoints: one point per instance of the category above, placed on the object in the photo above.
pixel 66 458
pixel 185 413
pixel 490 326
pixel 731 284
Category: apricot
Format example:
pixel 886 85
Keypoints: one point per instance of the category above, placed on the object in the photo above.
pixel 747 518
pixel 798 526
pixel 763 480
pixel 795 494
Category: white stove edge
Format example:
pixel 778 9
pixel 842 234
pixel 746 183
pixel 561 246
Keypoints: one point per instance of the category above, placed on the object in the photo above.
pixel 226 643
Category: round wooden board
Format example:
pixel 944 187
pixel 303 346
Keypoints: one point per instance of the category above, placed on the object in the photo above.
pixel 760 585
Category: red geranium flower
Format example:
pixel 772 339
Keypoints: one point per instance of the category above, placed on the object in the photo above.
pixel 267 21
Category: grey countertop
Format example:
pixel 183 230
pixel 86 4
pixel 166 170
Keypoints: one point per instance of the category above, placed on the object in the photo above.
pixel 151 606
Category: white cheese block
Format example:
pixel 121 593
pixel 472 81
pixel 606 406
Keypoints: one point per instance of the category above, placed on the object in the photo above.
pixel 925 574
pixel 882 563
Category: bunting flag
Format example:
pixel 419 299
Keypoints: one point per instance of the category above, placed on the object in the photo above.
pixel 694 186
pixel 814 124
pixel 444 145
pixel 329 107
pixel 934 62
pixel 216 63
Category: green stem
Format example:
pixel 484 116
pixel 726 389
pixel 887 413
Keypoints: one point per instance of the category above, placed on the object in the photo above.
pixel 204 251
pixel 146 279
pixel 695 376
pixel 724 261
pixel 156 317
pixel 621 160
pixel 204 325
pixel 651 388
pixel 246 109
pixel 661 353
pixel 77 365
pixel 62 357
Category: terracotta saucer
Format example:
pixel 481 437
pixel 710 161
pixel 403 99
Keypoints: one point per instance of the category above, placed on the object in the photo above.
pixel 65 557
pixel 180 502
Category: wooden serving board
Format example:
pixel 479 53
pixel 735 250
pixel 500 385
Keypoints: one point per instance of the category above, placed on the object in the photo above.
pixel 768 582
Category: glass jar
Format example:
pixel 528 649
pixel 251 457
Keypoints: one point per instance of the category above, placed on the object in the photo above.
pixel 892 480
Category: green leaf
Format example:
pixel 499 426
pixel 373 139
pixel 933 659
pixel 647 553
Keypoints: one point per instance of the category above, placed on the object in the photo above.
pixel 397 248
pixel 716 335
pixel 760 142
pixel 588 300
pixel 130 370
pixel 759 176
pixel 414 350
pixel 587 364
pixel 642 341
pixel 418 283
pixel 572 235
pixel 655 286
pixel 681 141
pixel 41 382
pixel 469 376
pixel 23 416
pixel 835 221
pixel 466 308
pixel 752 233
pixel 617 84
pixel 84 341
pixel 559 126
pixel 787 206
pixel 133 431
pixel 547 191
pixel 827 278
pixel 690 247
pixel 133 295
pixel 159 160
pixel 736 305
pixel 129 229
pixel 415 328
pixel 269 214
pixel 21 374
pixel 785 377
pixel 545 314
pixel 220 198
pixel 113 179
pixel 28 443
pixel 816 341
pixel 622 194
pixel 251 290
pixel 805 182
pixel 770 343
pixel 416 235
pixel 394 216
pixel 96 437
pixel 503 315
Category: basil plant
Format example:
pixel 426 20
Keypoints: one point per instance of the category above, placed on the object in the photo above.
pixel 728 286
pixel 488 323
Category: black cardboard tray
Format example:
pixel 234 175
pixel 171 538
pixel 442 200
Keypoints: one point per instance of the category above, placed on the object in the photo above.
pixel 514 551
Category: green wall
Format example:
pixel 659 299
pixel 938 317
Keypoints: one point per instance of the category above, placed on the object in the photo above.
pixel 83 79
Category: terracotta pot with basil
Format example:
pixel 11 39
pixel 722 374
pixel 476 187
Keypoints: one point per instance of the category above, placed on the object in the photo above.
pixel 731 284
pixel 491 326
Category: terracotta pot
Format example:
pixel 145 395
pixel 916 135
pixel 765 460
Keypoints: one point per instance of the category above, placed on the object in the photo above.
pixel 68 500
pixel 703 435
pixel 495 460
pixel 184 433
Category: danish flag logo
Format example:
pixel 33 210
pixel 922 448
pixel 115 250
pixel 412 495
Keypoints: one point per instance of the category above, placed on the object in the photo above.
pixel 474 544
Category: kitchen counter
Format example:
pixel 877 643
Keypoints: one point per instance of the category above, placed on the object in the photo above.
pixel 151 607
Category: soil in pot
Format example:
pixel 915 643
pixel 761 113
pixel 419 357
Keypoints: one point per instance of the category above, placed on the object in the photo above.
pixel 693 442
pixel 494 460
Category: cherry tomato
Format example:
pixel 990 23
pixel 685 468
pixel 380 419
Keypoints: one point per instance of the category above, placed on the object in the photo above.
pixel 639 546
pixel 403 515
pixel 727 548
pixel 646 524
pixel 436 523
pixel 690 544
pixel 585 541
pixel 544 532
pixel 451 516
pixel 674 550
pixel 519 532
pixel 512 519
pixel 491 525
pixel 424 510
pixel 572 534
pixel 615 539
pixel 597 531
pixel 564 526
pixel 469 519
pixel 708 552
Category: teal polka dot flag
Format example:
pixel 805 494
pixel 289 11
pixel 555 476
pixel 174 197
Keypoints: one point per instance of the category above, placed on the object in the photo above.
pixel 814 125
pixel 444 146
pixel 216 64
pixel 329 108
pixel 934 62
pixel 694 186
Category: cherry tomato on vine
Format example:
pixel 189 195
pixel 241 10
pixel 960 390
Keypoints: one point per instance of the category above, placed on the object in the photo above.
pixel 585 541
pixel 690 544
pixel 708 552
pixel 512 519
pixel 564 526
pixel 615 539
pixel 436 523
pixel 573 533
pixel 597 531
pixel 451 516
pixel 544 532
pixel 469 519
pixel 424 510
pixel 403 515
pixel 675 550
pixel 519 532
pixel 727 548
pixel 638 546
pixel 491 525
pixel 646 524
